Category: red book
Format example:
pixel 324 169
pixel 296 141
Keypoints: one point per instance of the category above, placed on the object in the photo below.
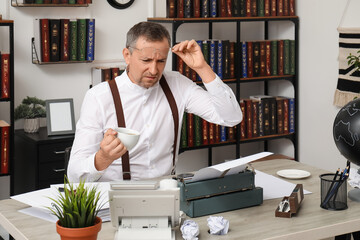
pixel 170 8
pixel 65 40
pixel 105 74
pixel 5 151
pixel 253 8
pixel 249 121
pixel 180 65
pixel 45 40
pixel 88 1
pixel 280 115
pixel 243 122
pixel 221 8
pixel 64 1
pixel 187 71
pixel 268 58
pixel 217 133
pixel 273 8
pixel 250 60
pixel 255 116
pixel 291 7
pixel 211 133
pixel 280 7
pixel 47 1
pixel 286 115
pixel 205 126
pixel 267 8
pixel 115 71
pixel 230 133
pixel 5 75
pixel 286 7
pixel 262 58
pixel 190 129
pixel 281 57
pixel 80 1
pixel 55 1
pixel 232 60
pixel 228 8
pixel 193 75
pixel 248 8
pixel 196 9
pixel 180 8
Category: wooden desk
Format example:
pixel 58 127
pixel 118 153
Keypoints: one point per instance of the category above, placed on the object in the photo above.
pixel 311 222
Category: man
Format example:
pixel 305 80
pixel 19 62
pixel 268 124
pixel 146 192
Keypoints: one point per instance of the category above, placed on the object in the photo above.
pixel 97 153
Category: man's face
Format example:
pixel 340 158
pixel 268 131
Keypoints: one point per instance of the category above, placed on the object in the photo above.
pixel 146 61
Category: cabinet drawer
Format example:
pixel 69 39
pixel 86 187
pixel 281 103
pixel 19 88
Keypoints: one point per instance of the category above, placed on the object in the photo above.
pixel 53 152
pixel 51 171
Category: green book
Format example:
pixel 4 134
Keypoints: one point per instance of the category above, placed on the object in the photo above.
pixel 183 138
pixel 72 1
pixel 197 130
pixel 274 58
pixel 39 1
pixel 292 57
pixel 261 8
pixel 205 50
pixel 73 40
pixel 81 37
pixel 286 56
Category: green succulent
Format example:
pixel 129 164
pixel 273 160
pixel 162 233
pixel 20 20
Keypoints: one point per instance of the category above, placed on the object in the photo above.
pixel 31 107
pixel 354 60
pixel 76 207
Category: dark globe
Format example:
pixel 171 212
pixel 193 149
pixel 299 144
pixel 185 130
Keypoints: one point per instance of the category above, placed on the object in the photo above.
pixel 346 131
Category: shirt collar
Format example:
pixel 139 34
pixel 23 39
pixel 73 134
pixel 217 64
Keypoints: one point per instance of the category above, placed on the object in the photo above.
pixel 136 87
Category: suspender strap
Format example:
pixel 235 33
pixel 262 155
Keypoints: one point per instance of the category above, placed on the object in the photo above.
pixel 174 111
pixel 121 122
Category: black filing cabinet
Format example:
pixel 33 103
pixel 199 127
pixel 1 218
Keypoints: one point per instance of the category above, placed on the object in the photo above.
pixel 39 160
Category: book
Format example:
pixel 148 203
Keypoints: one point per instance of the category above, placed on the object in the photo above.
pixel 280 57
pixel 250 60
pixel 187 8
pixel 73 39
pixel 180 8
pixel 115 71
pixel 260 8
pixel 273 8
pixel 72 1
pixel 183 141
pixel 213 55
pixel 212 7
pixel 248 8
pixel 5 75
pixel 190 129
pixel 81 39
pixel 217 133
pixel 105 74
pixel 65 39
pixel 45 39
pixel 244 59
pixel 268 111
pixel 90 39
pixel 243 122
pixel 267 8
pixel 5 147
pixel 243 8
pixel 286 56
pixel 205 11
pixel 286 7
pixel 221 8
pixel 255 118
pixel 256 59
pixel 249 120
pixel 254 8
pixel 232 60
pixel 229 8
pixel 286 118
pixel 280 114
pixel 170 8
pixel 262 59
pixel 273 115
pixel 219 58
pixel 205 132
pixel 280 7
pixel 54 25
pixel 291 115
pixel 39 1
pixel 211 133
pixel 223 131
pixel 226 59
pixel 292 57
pixel 197 130
pixel 274 57
pixel 231 133
pixel 180 65
pixel 196 9
pixel 267 58
pixel 291 7
pixel 236 8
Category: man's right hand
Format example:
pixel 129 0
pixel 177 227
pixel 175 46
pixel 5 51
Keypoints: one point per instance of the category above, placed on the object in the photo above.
pixel 111 148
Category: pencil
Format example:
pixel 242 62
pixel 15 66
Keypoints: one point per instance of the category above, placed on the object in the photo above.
pixel 327 197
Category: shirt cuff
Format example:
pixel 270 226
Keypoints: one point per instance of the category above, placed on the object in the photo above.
pixel 216 86
pixel 94 174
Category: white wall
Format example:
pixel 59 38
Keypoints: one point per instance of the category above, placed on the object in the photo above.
pixel 318 67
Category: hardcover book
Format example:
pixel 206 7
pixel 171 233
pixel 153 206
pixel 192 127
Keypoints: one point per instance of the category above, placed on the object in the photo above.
pixel 280 7
pixel 273 8
pixel 254 7
pixel 232 60
pixel 54 40
pixel 205 132
pixel 187 8
pixel 262 59
pixel 248 8
pixel 5 144
pixel 226 59
pixel 292 57
pixel 180 8
pixel 170 8
pixel 211 133
pixel 221 8
pixel 90 39
pixel 260 8
pixel 205 12
pixel 256 57
pixel 286 115
pixel 5 75
pixel 280 115
pixel 268 58
pixel 197 130
pixel 73 40
pixel 250 62
pixel 292 7
pixel 243 122
pixel 45 40
pixel 213 10
pixel 274 58
pixel 244 59
pixel 229 8
pixel 219 63
pixel 190 129
pixel 267 8
pixel 183 141
pixel 286 57
pixel 213 55
pixel 196 9
pixel 291 115
pixel 255 118
pixel 249 118
pixel 223 134
pixel 81 46
pixel 281 57
pixel 65 40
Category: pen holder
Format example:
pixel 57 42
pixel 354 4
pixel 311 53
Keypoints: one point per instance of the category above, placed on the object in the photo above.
pixel 333 192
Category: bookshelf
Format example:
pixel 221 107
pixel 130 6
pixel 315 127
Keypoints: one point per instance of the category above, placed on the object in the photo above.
pixel 20 3
pixel 9 24
pixel 293 79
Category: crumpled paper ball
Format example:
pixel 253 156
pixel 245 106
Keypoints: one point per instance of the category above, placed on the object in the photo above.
pixel 218 225
pixel 189 230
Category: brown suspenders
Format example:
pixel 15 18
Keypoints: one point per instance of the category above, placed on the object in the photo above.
pixel 121 120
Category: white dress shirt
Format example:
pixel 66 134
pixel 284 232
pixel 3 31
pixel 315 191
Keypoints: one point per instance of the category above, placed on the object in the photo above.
pixel 147 111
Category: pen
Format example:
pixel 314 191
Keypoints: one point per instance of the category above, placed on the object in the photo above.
pixel 330 188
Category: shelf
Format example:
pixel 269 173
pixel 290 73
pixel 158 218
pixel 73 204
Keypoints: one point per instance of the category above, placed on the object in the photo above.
pixel 222 19
pixel 268 78
pixel 220 144
pixel 5 99
pixel 268 137
pixel 14 3
pixel 4 21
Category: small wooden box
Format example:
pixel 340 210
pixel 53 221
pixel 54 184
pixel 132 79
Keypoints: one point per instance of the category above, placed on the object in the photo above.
pixel 295 200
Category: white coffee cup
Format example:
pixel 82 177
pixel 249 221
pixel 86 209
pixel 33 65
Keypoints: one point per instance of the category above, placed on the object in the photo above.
pixel 128 137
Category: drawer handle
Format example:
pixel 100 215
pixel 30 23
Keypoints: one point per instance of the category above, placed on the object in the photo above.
pixel 59 152
pixel 59 170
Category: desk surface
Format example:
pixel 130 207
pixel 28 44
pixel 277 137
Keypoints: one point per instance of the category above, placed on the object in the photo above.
pixel 311 222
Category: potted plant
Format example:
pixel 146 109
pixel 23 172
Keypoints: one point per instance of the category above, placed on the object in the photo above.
pixel 31 110
pixel 77 210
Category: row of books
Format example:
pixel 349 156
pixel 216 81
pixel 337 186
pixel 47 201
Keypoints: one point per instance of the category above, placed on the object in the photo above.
pixel 219 54
pixel 65 39
pixel 4 75
pixel 57 1
pixel 229 8
pixel 266 58
pixel 102 74
pixel 267 115
pixel 196 131
pixel 4 147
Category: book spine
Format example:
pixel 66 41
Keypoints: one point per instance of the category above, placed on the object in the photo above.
pixel 266 116
pixel 221 8
pixel 187 8
pixel 219 58
pixel 196 9
pixel 54 40
pixel 243 8
pixel 267 8
pixel 249 120
pixel 190 129
pixel 105 74
pixel 280 115
pixel 286 7
pixel 197 130
pixel 39 1
pixel 229 8
pixel 73 40
pixel 170 8
pixel 236 8
pixel 281 57
pixel 256 57
pixel 280 7
pixel 80 1
pixel 254 8
pixel 205 13
pixel 223 134
pixel 46 1
pixel 72 1
pixel 250 60
pixel 243 122
pixel 115 71
pixel 53 1
pixel 180 8
pixel 273 8
pixel 213 12
pixel 226 59
pixel 255 118
pixel 292 57
pixel 64 1
pixel 248 8
pixel 180 65
pixel 261 119
pixel 261 8
pixel 81 39
pixel 88 1
pixel 90 39
pixel 45 40
pixel 291 115
pixel 5 75
pixel 5 153
pixel 273 122
pixel 232 60
pixel 262 59
pixel 291 7
pixel 268 58
pixel 286 118
pixel 184 132
pixel 274 58
pixel 286 57
pixel 212 56
pixel 217 133
pixel 211 133
pixel 65 40
pixel 205 132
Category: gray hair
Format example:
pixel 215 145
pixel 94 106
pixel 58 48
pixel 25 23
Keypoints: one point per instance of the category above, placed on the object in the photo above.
pixel 152 32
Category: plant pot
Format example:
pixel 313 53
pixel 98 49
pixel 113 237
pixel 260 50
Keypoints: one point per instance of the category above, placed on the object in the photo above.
pixel 87 233
pixel 31 125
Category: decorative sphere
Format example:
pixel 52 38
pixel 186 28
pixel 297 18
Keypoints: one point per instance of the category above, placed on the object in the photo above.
pixel 346 131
